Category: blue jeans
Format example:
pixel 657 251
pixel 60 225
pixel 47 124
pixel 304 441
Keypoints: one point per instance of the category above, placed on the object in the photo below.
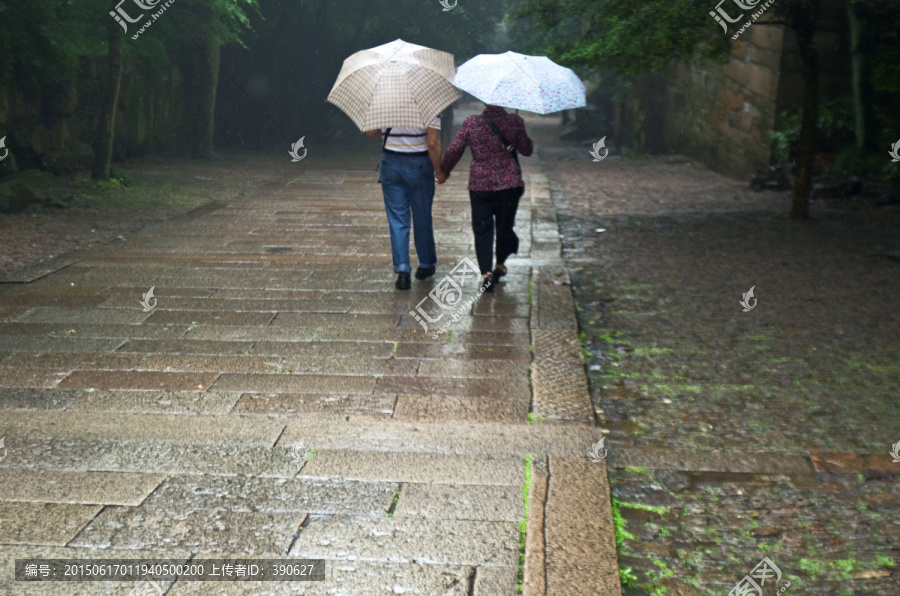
pixel 408 186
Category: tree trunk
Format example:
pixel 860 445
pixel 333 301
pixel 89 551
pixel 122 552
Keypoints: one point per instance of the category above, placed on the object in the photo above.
pixel 106 131
pixel 209 84
pixel 803 22
pixel 638 128
pixel 654 90
pixel 618 132
pixel 861 77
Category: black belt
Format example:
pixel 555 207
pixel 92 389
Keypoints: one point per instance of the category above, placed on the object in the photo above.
pixel 408 154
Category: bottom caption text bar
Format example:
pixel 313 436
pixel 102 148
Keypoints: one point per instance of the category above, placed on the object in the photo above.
pixel 92 570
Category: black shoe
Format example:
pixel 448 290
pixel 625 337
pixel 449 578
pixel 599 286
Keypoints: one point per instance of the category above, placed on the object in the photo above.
pixel 424 273
pixel 499 271
pixel 487 283
pixel 403 282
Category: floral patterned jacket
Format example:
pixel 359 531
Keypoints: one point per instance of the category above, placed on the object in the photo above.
pixel 493 167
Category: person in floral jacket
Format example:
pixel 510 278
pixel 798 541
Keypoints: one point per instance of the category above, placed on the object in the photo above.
pixel 495 183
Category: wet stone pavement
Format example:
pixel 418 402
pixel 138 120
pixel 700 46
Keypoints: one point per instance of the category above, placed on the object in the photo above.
pixel 276 399
pixel 737 435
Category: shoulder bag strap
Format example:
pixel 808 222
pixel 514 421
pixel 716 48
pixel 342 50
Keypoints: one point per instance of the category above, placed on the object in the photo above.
pixel 506 144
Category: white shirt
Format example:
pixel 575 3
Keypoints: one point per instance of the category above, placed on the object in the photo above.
pixel 409 139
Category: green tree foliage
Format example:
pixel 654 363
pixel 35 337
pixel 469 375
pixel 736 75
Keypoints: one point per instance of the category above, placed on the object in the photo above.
pixel 883 32
pixel 187 20
pixel 41 40
pixel 279 59
pixel 631 38
pixel 49 47
pixel 622 36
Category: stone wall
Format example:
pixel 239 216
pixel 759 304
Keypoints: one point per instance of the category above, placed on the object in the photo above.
pixel 723 115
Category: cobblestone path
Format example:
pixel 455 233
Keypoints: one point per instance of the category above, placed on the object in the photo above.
pixel 737 435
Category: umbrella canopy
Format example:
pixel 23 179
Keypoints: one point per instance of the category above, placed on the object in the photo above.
pixel 532 83
pixel 395 84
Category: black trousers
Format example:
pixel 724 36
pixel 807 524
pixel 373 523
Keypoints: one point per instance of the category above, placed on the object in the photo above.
pixel 489 209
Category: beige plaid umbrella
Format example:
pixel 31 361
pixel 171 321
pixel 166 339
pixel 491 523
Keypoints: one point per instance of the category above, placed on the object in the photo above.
pixel 396 84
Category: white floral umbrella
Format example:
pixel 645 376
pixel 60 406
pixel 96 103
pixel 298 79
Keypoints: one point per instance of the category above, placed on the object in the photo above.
pixel 531 83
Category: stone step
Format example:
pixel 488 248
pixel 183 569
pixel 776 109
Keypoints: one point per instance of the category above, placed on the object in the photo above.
pixel 27 432
pixel 473 502
pixel 332 496
pixel 410 540
pixel 472 439
pixel 228 458
pixel 43 523
pixel 195 530
pixel 54 486
pixel 431 468
pixel 22 424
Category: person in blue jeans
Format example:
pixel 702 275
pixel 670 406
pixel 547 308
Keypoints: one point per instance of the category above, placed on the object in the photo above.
pixel 410 165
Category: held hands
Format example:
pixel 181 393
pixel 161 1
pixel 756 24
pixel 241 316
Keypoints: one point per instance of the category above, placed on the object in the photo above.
pixel 441 177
